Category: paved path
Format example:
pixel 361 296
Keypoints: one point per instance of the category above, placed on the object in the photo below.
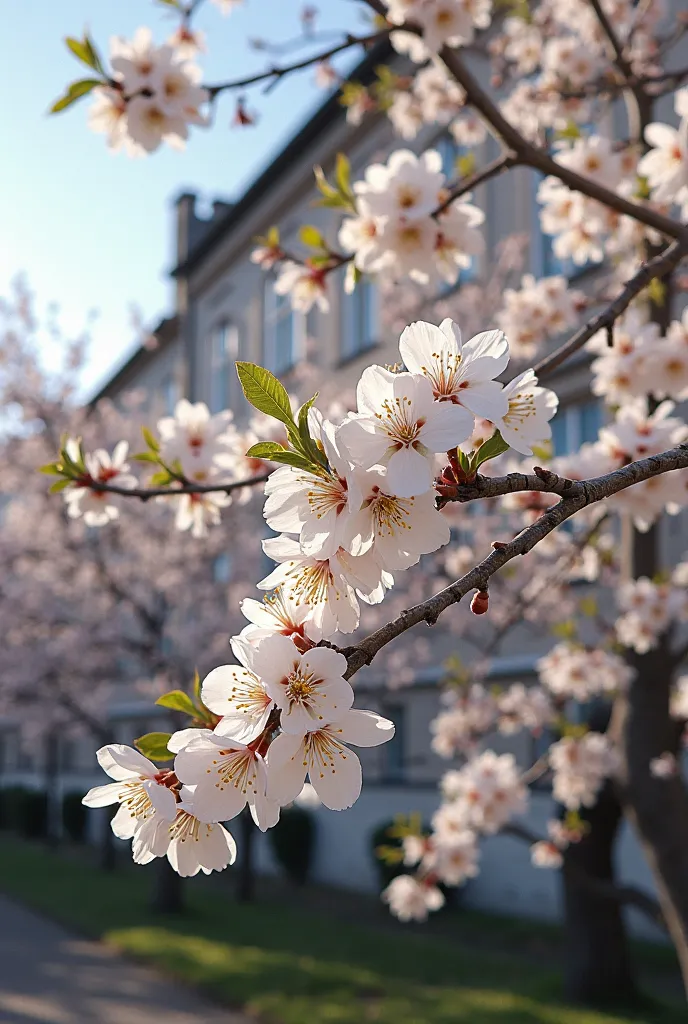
pixel 49 976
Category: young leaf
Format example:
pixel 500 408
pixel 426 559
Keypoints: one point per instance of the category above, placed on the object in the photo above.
pixel 197 685
pixel 293 459
pixel 154 746
pixel 177 700
pixel 490 449
pixel 51 469
pixel 264 392
pixel 307 441
pixel 58 486
pixel 145 457
pixel 342 175
pixel 75 91
pixel 323 184
pixel 265 450
pixel 150 439
pixel 83 51
pixel 310 236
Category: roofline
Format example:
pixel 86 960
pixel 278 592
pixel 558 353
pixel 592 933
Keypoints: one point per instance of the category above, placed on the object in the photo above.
pixel 323 118
pixel 165 335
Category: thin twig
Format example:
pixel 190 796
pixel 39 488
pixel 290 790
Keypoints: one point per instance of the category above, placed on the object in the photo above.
pixel 655 268
pixel 579 495
pixel 277 73
pixel 145 493
pixel 469 182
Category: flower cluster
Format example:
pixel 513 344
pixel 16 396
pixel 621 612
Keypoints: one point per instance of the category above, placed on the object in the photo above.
pixel 580 767
pixel 284 712
pixel 641 360
pixel 475 711
pixel 154 96
pixel 666 164
pixel 648 610
pixel 537 310
pixel 394 232
pixel 574 672
pixel 443 22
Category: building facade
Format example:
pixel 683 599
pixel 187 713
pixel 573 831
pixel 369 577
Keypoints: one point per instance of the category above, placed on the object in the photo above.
pixel 226 309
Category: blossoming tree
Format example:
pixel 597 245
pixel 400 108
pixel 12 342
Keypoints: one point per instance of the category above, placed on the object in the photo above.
pixel 361 496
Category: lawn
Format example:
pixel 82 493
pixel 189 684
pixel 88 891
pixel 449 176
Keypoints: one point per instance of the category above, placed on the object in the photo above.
pixel 291 963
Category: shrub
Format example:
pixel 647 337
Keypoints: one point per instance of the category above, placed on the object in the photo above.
pixel 74 817
pixel 11 798
pixel 293 842
pixel 24 810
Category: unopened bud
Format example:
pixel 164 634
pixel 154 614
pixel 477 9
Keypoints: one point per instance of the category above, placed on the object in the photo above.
pixel 480 602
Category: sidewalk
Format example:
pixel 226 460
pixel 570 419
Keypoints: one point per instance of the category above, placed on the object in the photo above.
pixel 49 976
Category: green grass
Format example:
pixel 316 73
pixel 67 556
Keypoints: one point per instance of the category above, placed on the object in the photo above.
pixel 297 964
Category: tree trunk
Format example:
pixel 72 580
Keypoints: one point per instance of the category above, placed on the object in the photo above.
pixel 657 808
pixel 168 891
pixel 598 968
pixel 246 879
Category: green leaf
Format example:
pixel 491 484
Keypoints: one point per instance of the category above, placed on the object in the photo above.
pixel 161 479
pixel 323 185
pixel 307 441
pixel 177 700
pixel 145 457
pixel 58 486
pixel 264 392
pixel 51 469
pixel 464 461
pixel 310 236
pixel 84 50
pixel 154 746
pixel 588 606
pixel 465 164
pixel 543 451
pixel 150 439
pixel 657 291
pixel 294 459
pixel 342 174
pixel 265 450
pixel 75 91
pixel 490 449
pixel 197 685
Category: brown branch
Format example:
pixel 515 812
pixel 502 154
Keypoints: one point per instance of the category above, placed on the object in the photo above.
pixel 145 493
pixel 578 496
pixel 539 159
pixel 469 182
pixel 655 268
pixel 626 895
pixel 614 41
pixel 276 73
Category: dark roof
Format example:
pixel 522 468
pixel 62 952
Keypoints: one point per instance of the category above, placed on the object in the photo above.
pixel 165 332
pixel 323 118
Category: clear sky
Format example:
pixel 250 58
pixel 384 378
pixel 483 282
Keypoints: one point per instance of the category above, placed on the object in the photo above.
pixel 90 229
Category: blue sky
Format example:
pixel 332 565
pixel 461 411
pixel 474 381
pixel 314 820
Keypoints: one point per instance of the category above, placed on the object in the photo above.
pixel 92 230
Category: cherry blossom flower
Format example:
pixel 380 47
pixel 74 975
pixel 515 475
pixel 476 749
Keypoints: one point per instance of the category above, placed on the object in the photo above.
pixel 194 438
pixel 305 285
pixel 333 769
pixel 98 507
pixel 136 788
pixel 526 422
pixel 463 373
pixel 189 844
pixel 313 505
pixel 664 767
pixel 572 671
pixel 225 776
pixel 546 854
pixel 489 791
pixel 328 587
pixel 308 688
pixel 278 612
pixel 580 767
pixel 238 696
pixel 410 899
pixel 452 858
pixel 666 164
pixel 197 511
pixel 398 425
pixel 397 531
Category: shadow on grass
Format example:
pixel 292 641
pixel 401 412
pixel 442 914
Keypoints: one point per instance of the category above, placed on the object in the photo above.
pixel 293 965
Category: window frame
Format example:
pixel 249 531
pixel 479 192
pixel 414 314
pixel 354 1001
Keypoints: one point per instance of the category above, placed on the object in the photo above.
pixel 276 308
pixel 220 364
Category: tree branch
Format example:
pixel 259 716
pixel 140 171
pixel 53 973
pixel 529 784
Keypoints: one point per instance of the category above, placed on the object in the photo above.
pixel 656 268
pixel 578 496
pixel 276 73
pixel 145 493
pixel 627 895
pixel 534 156
pixel 467 184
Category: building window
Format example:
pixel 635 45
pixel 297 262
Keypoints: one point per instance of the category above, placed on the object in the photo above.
pixel 394 751
pixel 222 568
pixel 359 319
pixel 575 425
pixel 224 351
pixel 283 331
pixel 170 394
